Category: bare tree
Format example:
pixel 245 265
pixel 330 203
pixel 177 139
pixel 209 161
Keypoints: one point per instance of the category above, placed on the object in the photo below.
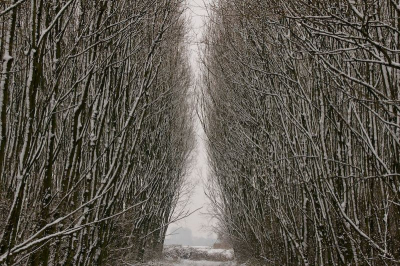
pixel 95 129
pixel 301 107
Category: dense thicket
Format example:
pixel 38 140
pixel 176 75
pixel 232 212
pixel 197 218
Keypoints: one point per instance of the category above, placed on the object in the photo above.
pixel 302 113
pixel 94 129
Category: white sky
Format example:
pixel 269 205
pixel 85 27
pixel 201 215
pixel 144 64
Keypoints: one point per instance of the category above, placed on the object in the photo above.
pixel 198 222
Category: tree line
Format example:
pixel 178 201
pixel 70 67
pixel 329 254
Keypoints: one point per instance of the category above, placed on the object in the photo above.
pixel 95 129
pixel 301 109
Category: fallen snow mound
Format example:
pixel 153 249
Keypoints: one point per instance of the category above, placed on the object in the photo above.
pixel 198 253
pixel 193 263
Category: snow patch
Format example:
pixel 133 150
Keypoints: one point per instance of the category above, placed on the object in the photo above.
pixel 7 57
pixel 198 253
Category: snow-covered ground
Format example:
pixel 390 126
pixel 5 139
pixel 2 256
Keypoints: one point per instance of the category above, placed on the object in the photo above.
pixel 194 263
pixel 198 253
pixel 195 256
pixel 204 263
pixel 224 253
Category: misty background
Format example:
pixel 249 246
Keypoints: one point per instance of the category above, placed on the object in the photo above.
pixel 184 236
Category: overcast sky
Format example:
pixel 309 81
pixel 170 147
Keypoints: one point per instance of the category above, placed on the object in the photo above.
pixel 199 223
